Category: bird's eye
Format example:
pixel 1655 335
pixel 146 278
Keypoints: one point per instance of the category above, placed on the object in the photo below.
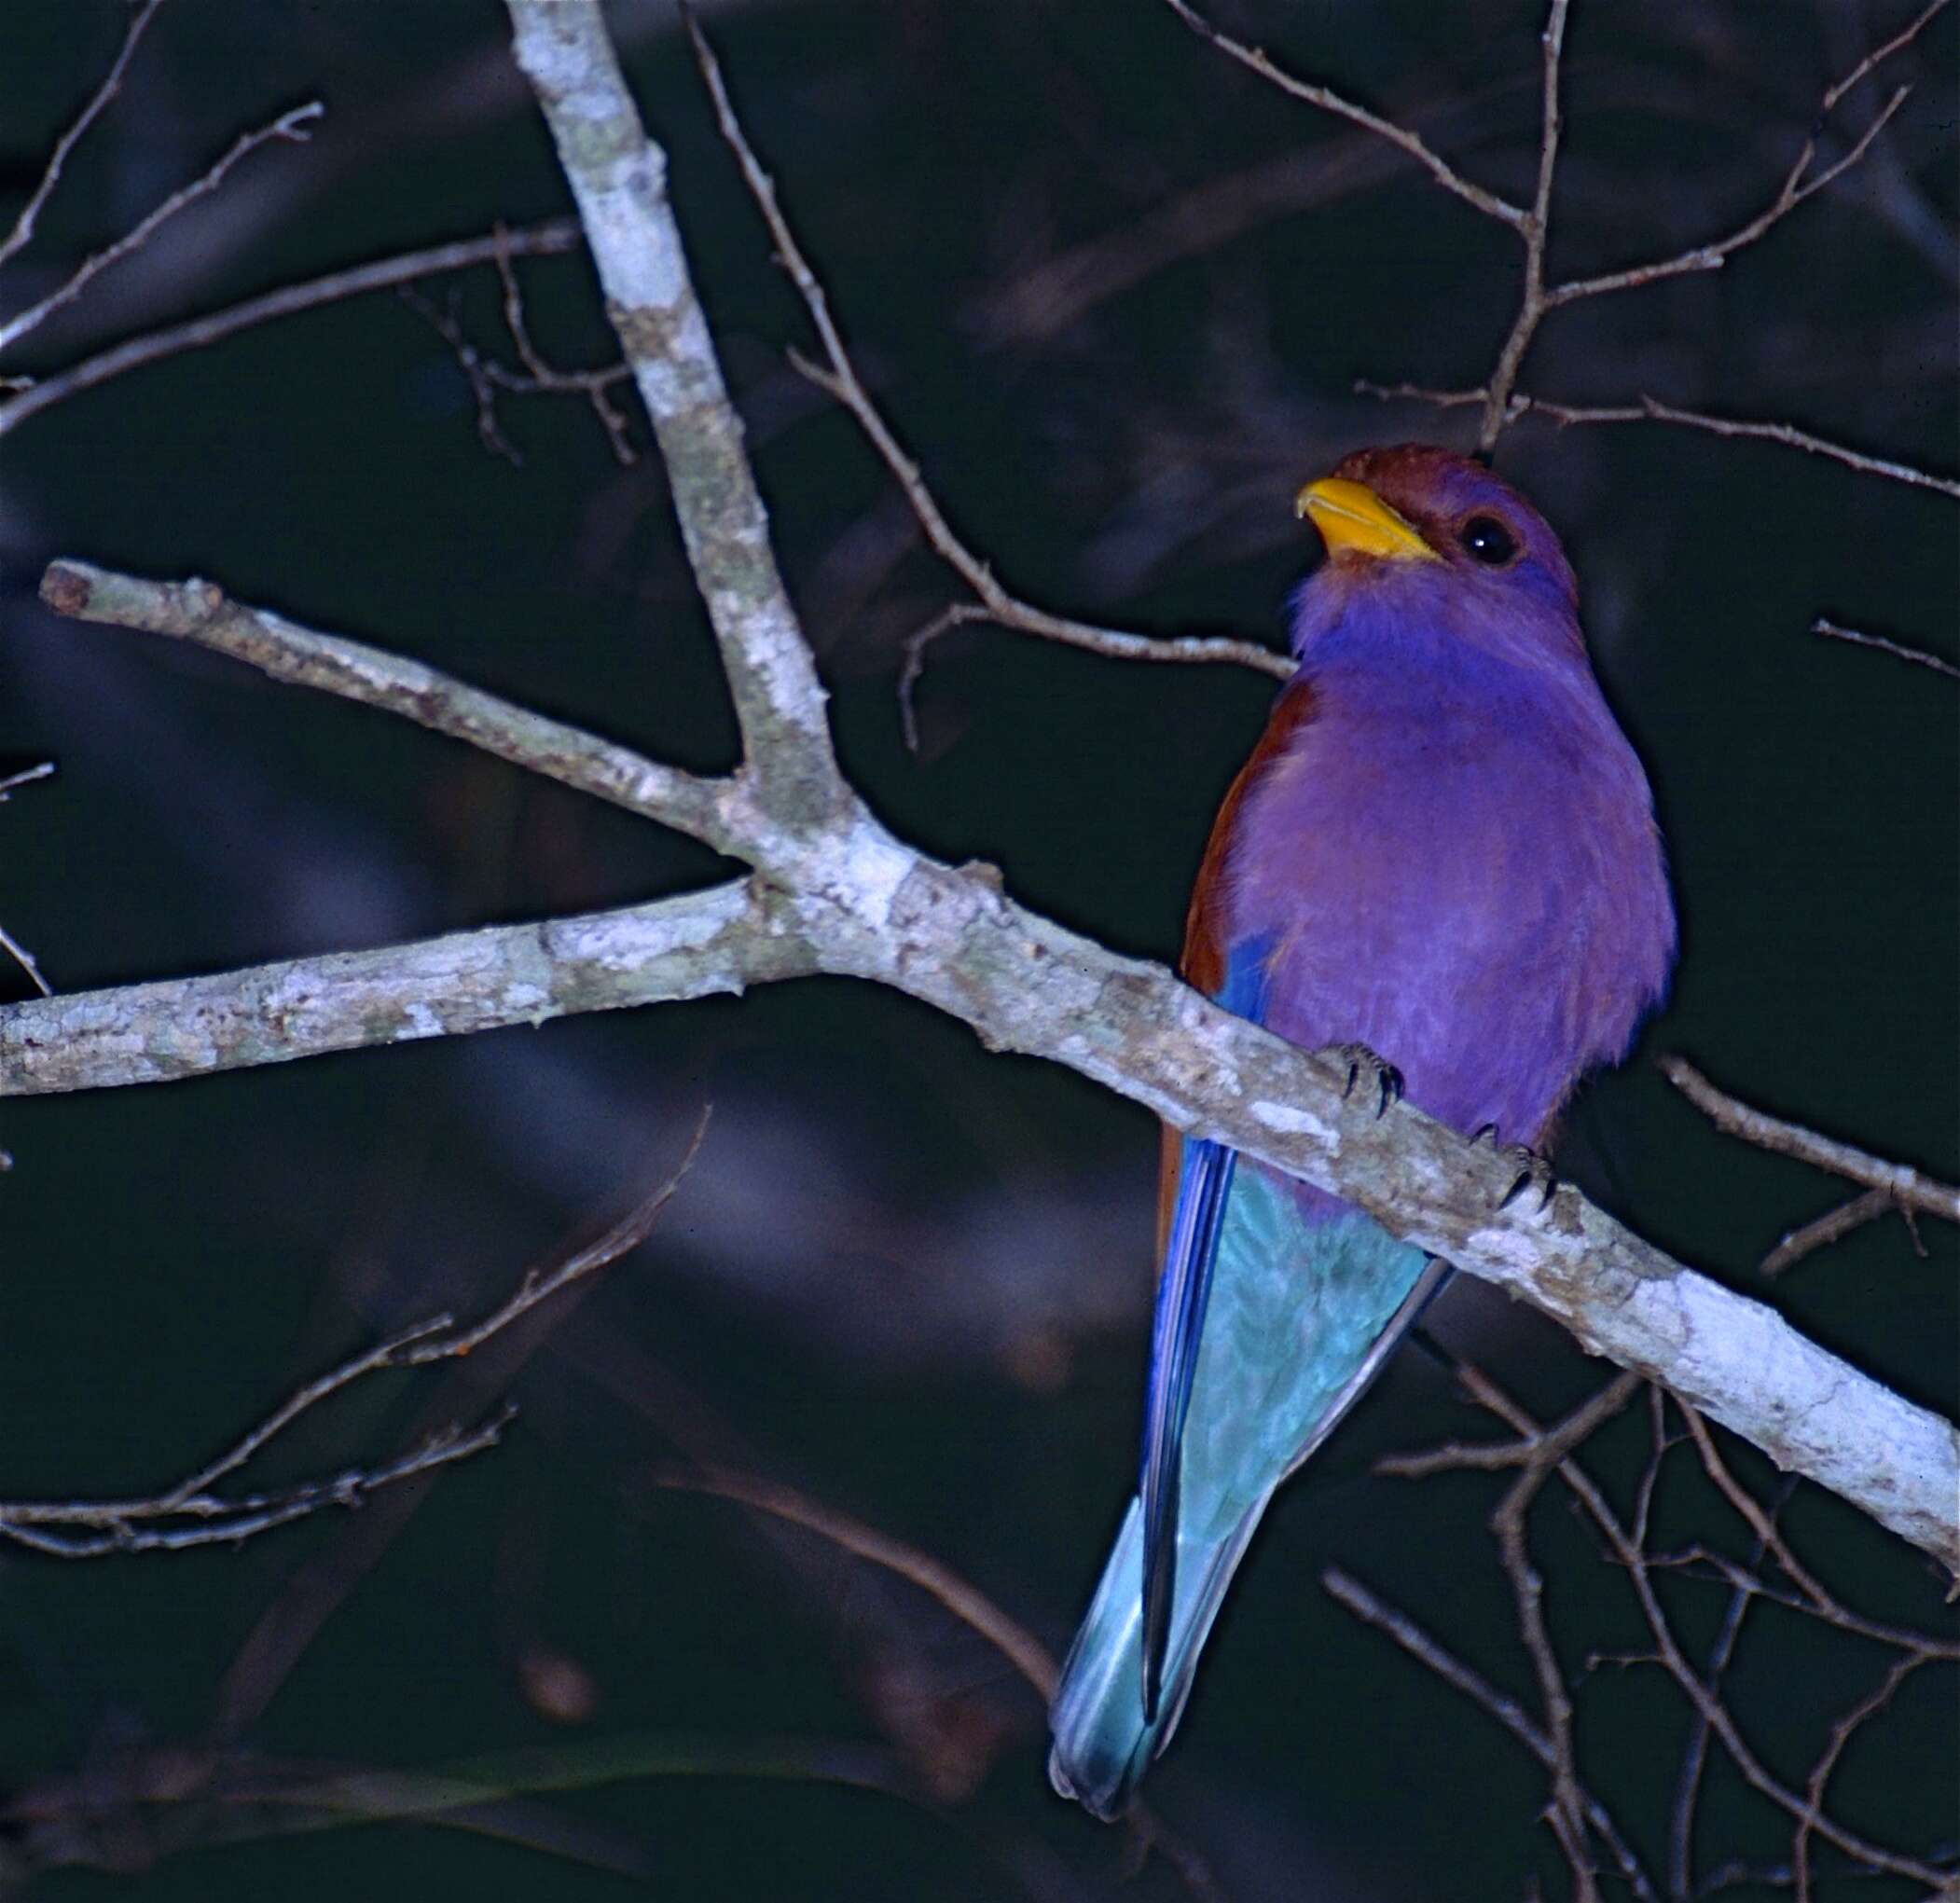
pixel 1488 540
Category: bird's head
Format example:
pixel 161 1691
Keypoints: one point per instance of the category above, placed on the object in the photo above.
pixel 1423 534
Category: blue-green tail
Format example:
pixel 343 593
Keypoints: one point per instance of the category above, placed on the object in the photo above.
pixel 1292 1320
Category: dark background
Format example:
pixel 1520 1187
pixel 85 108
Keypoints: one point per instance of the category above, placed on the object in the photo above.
pixel 1114 292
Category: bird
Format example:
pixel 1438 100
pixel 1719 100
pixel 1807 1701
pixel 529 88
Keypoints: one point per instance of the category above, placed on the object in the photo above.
pixel 1441 860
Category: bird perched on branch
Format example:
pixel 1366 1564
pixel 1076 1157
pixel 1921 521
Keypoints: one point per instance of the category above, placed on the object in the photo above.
pixel 1441 850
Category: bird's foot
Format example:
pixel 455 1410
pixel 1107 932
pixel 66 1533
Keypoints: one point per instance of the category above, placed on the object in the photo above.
pixel 1358 1061
pixel 1534 1174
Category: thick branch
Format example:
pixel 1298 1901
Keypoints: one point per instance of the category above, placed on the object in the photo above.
pixel 859 903
pixel 618 178
pixel 692 946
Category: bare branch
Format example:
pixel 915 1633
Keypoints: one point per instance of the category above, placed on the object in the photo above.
pixel 289 125
pixel 1798 185
pixel 1569 1799
pixel 966 1603
pixel 23 228
pixel 1624 1547
pixel 9 943
pixel 618 178
pixel 1811 1819
pixel 593 385
pixel 1651 409
pixel 964 1600
pixel 1423 1647
pixel 1536 229
pixel 842 895
pixel 1832 631
pixel 555 235
pixel 192 1513
pixel 201 612
pixel 839 379
pixel 1832 1226
pixel 1328 101
pixel 1735 1117
pixel 698 946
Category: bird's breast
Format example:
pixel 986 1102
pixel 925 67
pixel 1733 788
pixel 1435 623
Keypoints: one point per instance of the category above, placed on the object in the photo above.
pixel 1474 892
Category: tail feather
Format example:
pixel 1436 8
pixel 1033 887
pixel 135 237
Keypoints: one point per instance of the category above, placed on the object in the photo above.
pixel 1103 1743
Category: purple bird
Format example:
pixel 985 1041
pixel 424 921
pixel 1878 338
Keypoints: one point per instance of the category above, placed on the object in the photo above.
pixel 1441 849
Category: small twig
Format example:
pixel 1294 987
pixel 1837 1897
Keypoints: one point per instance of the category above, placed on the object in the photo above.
pixel 1651 409
pixel 1905 1185
pixel 23 229
pixel 1831 630
pixel 470 362
pixel 839 379
pixel 1668 1655
pixel 9 943
pixel 1422 1645
pixel 289 125
pixel 1904 37
pixel 488 377
pixel 965 1602
pixel 1820 1779
pixel 1832 1226
pixel 1534 1449
pixel 1798 185
pixel 1695 1754
pixel 26 777
pixel 555 235
pixel 1498 398
pixel 1325 100
pixel 541 375
pixel 1533 301
pixel 191 1513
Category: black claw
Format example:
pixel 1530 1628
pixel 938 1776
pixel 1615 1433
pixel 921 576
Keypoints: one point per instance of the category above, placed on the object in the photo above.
pixel 1390 1081
pixel 1484 1130
pixel 1536 1172
pixel 1354 1071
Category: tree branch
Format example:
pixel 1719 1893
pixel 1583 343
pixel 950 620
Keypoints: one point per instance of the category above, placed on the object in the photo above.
pixel 193 1512
pixel 839 379
pixel 23 228
pixel 1325 100
pixel 696 945
pixel 1910 1188
pixel 1830 630
pixel 201 612
pixel 842 895
pixel 555 235
pixel 1651 409
pixel 290 126
pixel 618 178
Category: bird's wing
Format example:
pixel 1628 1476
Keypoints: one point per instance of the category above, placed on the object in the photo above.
pixel 1190 1249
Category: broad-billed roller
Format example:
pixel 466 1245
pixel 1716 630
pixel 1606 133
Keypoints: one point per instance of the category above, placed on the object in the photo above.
pixel 1441 849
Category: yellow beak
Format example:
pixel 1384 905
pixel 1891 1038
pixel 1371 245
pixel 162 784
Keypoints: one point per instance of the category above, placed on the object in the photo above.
pixel 1351 516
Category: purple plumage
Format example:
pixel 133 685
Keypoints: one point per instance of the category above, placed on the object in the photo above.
pixel 1444 837
pixel 1444 849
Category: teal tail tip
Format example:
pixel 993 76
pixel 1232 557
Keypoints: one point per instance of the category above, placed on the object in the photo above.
pixel 1103 1743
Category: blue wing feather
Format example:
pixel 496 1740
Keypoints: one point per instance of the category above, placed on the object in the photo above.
pixel 1176 1328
